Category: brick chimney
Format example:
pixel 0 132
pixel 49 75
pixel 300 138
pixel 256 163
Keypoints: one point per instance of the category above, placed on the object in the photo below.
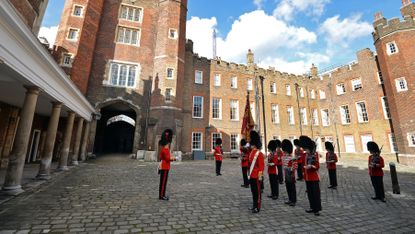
pixel 408 9
pixel 250 58
pixel 313 70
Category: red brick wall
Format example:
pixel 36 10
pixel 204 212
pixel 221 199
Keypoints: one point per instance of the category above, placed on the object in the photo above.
pixel 28 10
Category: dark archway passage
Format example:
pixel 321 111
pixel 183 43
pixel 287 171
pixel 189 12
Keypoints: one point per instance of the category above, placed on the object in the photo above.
pixel 115 129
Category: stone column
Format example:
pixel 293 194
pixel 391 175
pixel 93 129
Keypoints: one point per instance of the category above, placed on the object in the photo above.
pixel 46 159
pixel 91 143
pixel 77 143
pixel 63 161
pixel 12 182
pixel 85 141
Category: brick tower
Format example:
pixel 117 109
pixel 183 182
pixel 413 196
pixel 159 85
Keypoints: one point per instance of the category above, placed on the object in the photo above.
pixel 395 48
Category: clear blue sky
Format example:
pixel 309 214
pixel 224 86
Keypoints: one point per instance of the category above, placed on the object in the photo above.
pixel 299 32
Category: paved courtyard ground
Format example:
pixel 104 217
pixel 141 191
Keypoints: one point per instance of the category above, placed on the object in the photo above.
pixel 120 195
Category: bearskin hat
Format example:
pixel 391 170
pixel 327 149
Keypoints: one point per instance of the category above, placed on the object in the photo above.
pixel 272 145
pixel 287 146
pixel 242 142
pixel 296 142
pixel 373 147
pixel 218 141
pixel 329 146
pixel 278 143
pixel 166 137
pixel 255 139
pixel 307 143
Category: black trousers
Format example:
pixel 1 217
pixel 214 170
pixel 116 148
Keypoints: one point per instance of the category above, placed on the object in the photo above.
pixel 280 174
pixel 245 175
pixel 300 171
pixel 291 190
pixel 164 174
pixel 273 182
pixel 313 194
pixel 256 192
pixel 218 166
pixel 377 182
pixel 333 177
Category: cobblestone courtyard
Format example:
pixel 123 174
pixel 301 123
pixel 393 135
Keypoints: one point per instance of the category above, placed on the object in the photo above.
pixel 118 194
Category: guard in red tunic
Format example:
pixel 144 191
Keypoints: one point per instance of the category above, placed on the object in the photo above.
pixel 311 176
pixel 279 153
pixel 331 160
pixel 256 170
pixel 300 157
pixel 218 156
pixel 165 159
pixel 375 165
pixel 244 162
pixel 289 166
pixel 272 169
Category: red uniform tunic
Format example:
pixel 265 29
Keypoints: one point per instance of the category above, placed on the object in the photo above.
pixel 331 165
pixel 377 169
pixel 218 154
pixel 165 159
pixel 245 157
pixel 259 164
pixel 279 157
pixel 300 156
pixel 288 162
pixel 273 160
pixel 311 174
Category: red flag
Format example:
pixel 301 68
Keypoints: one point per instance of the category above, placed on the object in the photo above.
pixel 247 122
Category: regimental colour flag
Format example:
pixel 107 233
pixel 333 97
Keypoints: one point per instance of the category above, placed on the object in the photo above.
pixel 248 122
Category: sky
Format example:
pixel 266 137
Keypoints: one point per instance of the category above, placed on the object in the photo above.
pixel 288 35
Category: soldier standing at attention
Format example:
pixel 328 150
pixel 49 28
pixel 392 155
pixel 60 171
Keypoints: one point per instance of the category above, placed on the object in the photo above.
pixel 375 165
pixel 289 166
pixel 165 158
pixel 300 156
pixel 256 170
pixel 331 160
pixel 279 162
pixel 272 170
pixel 218 156
pixel 244 162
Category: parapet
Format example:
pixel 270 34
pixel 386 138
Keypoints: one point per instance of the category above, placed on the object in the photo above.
pixel 385 27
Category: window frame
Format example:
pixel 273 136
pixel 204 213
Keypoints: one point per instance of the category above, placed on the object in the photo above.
pixel 176 33
pixel 303 114
pixel 236 149
pixel 353 85
pixel 389 49
pixel 398 84
pixel 219 108
pixel 134 8
pixel 82 11
pixel 314 117
pixel 236 112
pixel 201 108
pixel 213 141
pixel 288 90
pixel 129 65
pixel 132 30
pixel 249 85
pixel 217 82
pixel 346 118
pixel 325 115
pixel 172 73
pixel 69 32
pixel 313 94
pixel 201 76
pixel 65 55
pixel 273 88
pixel 234 82
pixel 200 143
pixel 171 95
pixel 411 139
pixel 360 116
pixel 290 115
pixel 340 89
pixel 322 94
pixel 275 113
pixel 385 107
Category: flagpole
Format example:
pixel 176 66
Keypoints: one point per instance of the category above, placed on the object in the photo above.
pixel 263 113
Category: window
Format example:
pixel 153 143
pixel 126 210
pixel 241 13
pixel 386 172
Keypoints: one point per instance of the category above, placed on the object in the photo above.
pixel 234 82
pixel 273 87
pixel 215 136
pixel 356 84
pixel 364 139
pixel 197 107
pixel 217 108
pixel 67 60
pixel 131 13
pixel 380 77
pixel 313 94
pixel 362 112
pixel 196 141
pixel 249 84
pixel 385 106
pixel 217 80
pixel 411 139
pixel 172 33
pixel 169 93
pixel 123 75
pixel 170 73
pixel 322 94
pixel 198 77
pixel 345 114
pixel 234 142
pixel 392 142
pixel 340 89
pixel 73 34
pixel 325 117
pixel 315 117
pixel 288 89
pixel 349 144
pixel 128 36
pixel 252 106
pixel 301 92
pixel 290 115
pixel 391 48
pixel 78 10
pixel 401 84
pixel 303 113
pixel 275 114
pixel 234 110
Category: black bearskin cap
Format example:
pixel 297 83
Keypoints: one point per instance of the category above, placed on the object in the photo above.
pixel 272 145
pixel 255 139
pixel 278 143
pixel 166 137
pixel 329 146
pixel 296 142
pixel 242 142
pixel 373 147
pixel 307 143
pixel 287 146
pixel 218 141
